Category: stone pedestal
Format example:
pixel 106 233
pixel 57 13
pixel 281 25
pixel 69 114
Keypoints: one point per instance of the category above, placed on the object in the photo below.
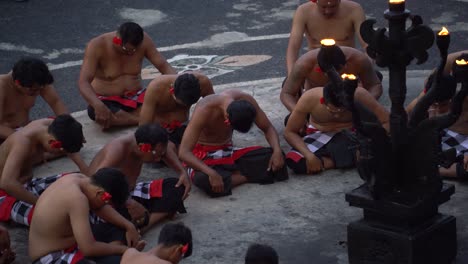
pixel 397 233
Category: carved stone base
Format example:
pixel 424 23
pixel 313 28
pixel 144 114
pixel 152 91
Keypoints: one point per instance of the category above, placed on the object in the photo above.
pixel 434 242
pixel 400 232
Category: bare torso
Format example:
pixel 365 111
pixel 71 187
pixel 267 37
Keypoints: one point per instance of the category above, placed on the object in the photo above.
pixel 339 27
pixel 120 151
pixel 132 255
pixel 116 73
pixel 167 109
pixel 29 136
pixel 16 105
pixel 50 228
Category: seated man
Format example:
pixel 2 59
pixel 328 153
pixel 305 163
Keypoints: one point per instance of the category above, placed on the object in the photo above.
pixel 325 146
pixel 7 255
pixel 110 78
pixel 324 19
pixel 60 229
pixel 19 89
pixel 261 254
pixel 174 244
pixel 215 166
pixel 455 136
pixel 19 191
pixel 150 201
pixel 345 59
pixel 168 100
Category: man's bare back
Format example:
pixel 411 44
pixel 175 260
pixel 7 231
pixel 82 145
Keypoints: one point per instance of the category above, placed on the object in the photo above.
pixel 134 256
pixel 339 20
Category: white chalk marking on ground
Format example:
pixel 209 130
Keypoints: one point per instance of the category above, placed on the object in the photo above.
pixel 143 17
pixel 214 41
pixel 14 47
pixel 56 53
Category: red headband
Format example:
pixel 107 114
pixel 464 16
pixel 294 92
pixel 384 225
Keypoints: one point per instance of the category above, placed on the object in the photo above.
pixel 322 100
pixel 105 197
pixel 56 144
pixel 18 82
pixel 145 147
pixel 227 122
pixel 318 69
pixel 171 90
pixel 117 41
pixel 313 1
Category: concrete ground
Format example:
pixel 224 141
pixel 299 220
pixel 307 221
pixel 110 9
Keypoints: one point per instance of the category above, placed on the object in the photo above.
pixel 304 218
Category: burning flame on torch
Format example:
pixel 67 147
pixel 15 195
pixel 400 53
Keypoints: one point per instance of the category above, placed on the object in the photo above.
pixel 443 32
pixel 396 1
pixel 345 76
pixel 461 62
pixel 327 42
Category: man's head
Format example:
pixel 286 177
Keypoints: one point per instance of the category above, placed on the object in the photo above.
pixel 67 133
pixel 449 85
pixel 241 115
pixel 187 89
pixel 152 141
pixel 131 36
pixel 175 242
pixel 112 186
pixel 31 74
pixel 261 254
pixel 330 96
pixel 331 56
pixel 328 8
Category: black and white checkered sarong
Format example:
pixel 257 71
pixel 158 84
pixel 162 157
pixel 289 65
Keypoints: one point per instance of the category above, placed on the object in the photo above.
pixel 451 139
pixel 70 256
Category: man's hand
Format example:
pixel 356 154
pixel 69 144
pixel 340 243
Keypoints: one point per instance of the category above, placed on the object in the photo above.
pixel 314 164
pixel 184 180
pixel 132 235
pixel 137 211
pixel 216 181
pixel 276 161
pixel 102 115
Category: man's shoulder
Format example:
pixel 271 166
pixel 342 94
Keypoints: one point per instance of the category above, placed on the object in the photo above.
pixel 350 4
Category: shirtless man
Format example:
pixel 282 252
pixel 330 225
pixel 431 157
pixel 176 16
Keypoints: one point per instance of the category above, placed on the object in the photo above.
pixel 60 229
pixel 19 191
pixel 174 244
pixel 346 59
pixel 19 89
pixel 110 78
pixel 456 136
pixel 325 146
pixel 324 19
pixel 150 201
pixel 215 166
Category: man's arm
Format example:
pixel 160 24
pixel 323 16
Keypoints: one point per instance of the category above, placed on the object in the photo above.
pixel 172 160
pixel 290 91
pixel 358 16
pixel 150 104
pixel 110 215
pixel 367 100
pixel 5 131
pixel 12 169
pixel 206 86
pixel 368 77
pixel 53 100
pixel 80 163
pixel 156 58
pixel 295 38
pixel 262 122
pixel 87 73
pixel 78 210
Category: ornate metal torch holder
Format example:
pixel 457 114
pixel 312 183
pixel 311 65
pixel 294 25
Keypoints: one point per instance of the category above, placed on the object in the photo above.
pixel 403 188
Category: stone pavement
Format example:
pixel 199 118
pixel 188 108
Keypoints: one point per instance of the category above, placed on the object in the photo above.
pixel 304 218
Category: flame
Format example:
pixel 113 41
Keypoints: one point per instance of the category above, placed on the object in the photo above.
pixel 396 1
pixel 461 62
pixel 327 42
pixel 345 76
pixel 443 32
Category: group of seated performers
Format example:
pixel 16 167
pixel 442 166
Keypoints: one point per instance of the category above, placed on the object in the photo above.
pixel 99 214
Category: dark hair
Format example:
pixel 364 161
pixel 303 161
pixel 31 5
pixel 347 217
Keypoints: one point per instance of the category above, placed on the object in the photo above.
pixel 151 133
pixel 261 254
pixel 131 32
pixel 448 83
pixel 330 96
pixel 331 54
pixel 114 182
pixel 241 115
pixel 187 88
pixel 176 234
pixel 67 130
pixel 30 71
